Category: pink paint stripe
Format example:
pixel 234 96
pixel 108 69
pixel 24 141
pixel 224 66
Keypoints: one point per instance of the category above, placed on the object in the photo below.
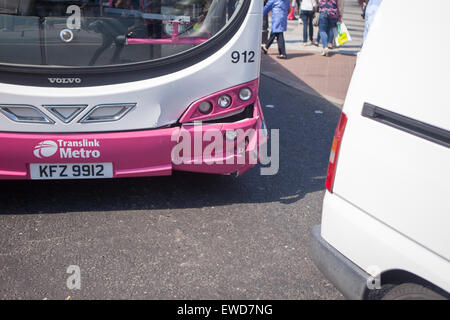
pixel 173 41
pixel 13 173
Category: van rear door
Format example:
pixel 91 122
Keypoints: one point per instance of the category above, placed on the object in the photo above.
pixel 394 161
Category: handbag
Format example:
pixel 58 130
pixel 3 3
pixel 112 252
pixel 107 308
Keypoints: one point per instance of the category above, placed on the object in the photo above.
pixel 316 19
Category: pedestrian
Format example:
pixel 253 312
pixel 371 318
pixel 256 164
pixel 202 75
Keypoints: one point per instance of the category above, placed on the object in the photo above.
pixel 363 4
pixel 298 2
pixel 308 8
pixel 280 9
pixel 330 13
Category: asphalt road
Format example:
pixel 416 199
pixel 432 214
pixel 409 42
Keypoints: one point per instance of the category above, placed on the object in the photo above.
pixel 187 236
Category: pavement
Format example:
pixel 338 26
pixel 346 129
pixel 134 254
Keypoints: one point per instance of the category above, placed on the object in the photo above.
pixel 188 236
pixel 306 70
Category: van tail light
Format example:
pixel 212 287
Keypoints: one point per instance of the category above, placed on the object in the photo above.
pixel 337 139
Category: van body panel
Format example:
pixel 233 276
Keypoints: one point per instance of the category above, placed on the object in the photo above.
pixel 390 206
pixel 395 176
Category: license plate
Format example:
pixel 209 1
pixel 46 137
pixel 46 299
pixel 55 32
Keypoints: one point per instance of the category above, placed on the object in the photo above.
pixel 54 171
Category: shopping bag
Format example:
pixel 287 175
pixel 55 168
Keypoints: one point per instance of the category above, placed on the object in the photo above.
pixel 341 34
pixel 344 30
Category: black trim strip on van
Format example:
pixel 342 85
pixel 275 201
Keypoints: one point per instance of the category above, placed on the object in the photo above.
pixel 415 127
pixel 27 75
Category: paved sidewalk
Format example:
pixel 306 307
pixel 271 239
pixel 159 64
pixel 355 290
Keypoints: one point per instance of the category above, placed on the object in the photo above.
pixel 306 70
pixel 353 21
pixel 312 73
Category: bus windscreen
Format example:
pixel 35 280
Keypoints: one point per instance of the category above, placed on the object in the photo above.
pixel 106 32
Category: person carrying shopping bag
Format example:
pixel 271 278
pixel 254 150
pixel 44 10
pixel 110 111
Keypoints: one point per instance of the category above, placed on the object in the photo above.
pixel 279 10
pixel 308 8
pixel 330 13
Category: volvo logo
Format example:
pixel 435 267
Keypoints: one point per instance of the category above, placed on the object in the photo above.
pixel 65 80
pixel 45 149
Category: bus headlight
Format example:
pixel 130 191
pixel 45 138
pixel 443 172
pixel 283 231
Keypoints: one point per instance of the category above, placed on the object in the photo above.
pixel 245 94
pixel 224 101
pixel 205 107
pixel 222 104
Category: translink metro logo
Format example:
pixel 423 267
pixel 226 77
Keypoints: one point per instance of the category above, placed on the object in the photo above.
pixel 45 149
pixel 68 149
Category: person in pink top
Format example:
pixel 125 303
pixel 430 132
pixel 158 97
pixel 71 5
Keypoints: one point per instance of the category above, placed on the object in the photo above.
pixel 330 14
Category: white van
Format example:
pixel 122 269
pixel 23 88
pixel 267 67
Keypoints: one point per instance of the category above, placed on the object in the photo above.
pixel 385 229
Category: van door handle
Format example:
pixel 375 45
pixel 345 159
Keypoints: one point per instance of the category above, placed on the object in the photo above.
pixel 406 124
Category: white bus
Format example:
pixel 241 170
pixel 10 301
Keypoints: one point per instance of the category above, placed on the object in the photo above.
pixel 110 88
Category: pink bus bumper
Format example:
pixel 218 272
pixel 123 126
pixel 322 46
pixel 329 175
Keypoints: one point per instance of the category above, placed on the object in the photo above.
pixel 132 154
